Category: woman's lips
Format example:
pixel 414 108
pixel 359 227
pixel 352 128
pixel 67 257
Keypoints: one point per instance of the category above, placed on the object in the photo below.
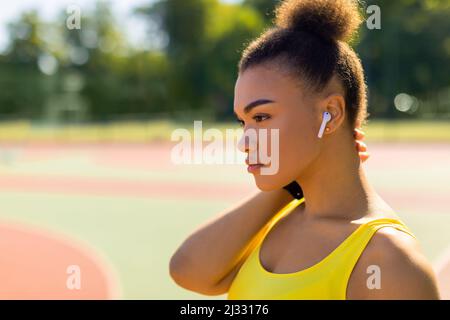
pixel 253 167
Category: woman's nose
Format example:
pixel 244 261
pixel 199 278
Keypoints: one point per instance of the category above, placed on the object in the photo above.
pixel 248 141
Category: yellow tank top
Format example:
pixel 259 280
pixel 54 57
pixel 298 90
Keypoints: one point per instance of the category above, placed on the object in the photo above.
pixel 326 280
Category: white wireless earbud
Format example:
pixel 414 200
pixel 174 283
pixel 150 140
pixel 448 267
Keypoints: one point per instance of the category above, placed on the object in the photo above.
pixel 325 118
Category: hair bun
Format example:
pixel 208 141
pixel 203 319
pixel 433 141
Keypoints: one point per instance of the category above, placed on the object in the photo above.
pixel 330 19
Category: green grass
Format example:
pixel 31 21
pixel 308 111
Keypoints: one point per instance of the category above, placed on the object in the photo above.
pixel 161 130
pixel 414 131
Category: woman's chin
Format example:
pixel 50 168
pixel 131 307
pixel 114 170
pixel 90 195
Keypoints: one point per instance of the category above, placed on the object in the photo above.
pixel 265 185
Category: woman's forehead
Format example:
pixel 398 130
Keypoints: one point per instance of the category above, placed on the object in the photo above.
pixel 263 83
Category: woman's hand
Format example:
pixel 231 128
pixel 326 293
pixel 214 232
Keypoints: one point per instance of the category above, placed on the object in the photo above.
pixel 361 147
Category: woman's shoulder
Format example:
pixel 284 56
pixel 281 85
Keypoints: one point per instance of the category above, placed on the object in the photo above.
pixel 398 259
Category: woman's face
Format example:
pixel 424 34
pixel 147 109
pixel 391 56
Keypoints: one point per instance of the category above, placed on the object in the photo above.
pixel 282 105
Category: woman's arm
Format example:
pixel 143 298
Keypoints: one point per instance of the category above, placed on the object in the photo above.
pixel 205 260
pixel 208 260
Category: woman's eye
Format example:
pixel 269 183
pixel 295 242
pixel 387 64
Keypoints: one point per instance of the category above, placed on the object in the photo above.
pixel 259 118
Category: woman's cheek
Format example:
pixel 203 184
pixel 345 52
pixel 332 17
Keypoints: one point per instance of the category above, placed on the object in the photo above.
pixel 295 149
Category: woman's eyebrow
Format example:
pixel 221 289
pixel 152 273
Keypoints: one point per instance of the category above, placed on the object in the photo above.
pixel 255 104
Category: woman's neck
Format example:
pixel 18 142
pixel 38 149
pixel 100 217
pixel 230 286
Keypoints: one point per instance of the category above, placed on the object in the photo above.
pixel 335 185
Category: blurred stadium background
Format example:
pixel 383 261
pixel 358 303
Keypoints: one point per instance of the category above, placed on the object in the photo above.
pixel 86 117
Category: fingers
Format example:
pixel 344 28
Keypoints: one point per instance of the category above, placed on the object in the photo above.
pixel 361 146
pixel 364 156
pixel 359 134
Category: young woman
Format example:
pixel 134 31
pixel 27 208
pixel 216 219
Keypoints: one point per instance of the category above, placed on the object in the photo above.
pixel 339 241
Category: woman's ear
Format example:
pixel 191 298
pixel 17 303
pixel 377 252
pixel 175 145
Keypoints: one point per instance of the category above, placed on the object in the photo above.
pixel 335 105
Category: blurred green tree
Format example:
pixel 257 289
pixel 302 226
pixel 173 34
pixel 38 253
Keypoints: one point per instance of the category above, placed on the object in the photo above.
pixel 96 67
pixel 23 88
pixel 264 7
pixel 409 54
pixel 205 39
